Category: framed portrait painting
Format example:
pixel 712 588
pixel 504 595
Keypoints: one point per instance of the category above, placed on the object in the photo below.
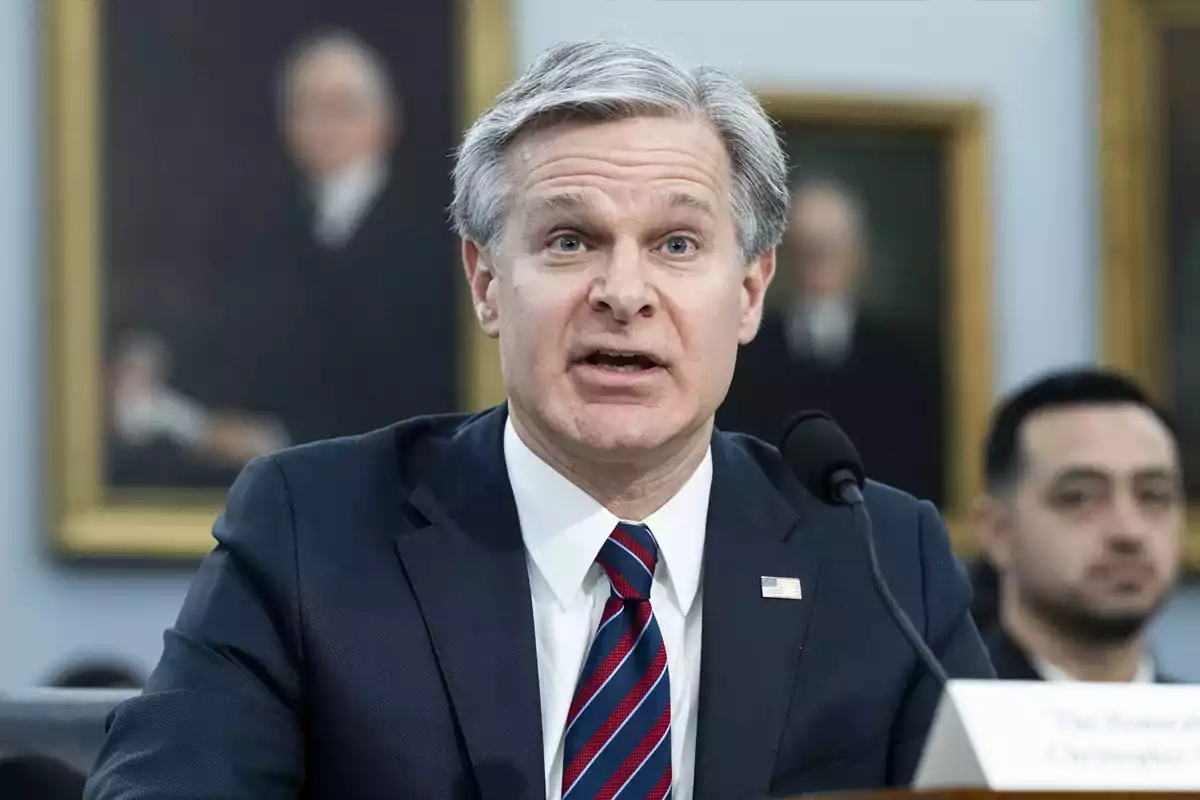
pixel 248 245
pixel 878 312
pixel 1150 174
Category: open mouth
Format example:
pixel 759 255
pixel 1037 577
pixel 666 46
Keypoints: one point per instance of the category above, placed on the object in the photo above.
pixel 621 361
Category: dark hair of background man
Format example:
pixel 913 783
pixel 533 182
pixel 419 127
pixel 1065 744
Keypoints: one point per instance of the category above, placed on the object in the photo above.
pixel 1079 387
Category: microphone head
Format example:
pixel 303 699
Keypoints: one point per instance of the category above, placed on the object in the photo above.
pixel 816 449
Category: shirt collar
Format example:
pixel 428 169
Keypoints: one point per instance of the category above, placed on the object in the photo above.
pixel 564 527
pixel 343 196
pixel 1146 671
pixel 818 324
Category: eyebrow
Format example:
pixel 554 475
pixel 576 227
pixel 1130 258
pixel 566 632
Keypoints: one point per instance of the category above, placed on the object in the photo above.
pixel 1092 474
pixel 684 200
pixel 577 202
pixel 564 201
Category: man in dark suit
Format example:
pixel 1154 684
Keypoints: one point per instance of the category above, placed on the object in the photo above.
pixel 1082 526
pixel 824 349
pixel 565 596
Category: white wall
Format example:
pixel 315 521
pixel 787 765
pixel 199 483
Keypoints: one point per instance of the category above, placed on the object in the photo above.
pixel 1029 61
pixel 46 614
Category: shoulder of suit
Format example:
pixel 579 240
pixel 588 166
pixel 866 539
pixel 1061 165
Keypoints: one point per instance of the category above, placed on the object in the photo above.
pixel 888 498
pixel 730 447
pixel 771 462
pixel 403 451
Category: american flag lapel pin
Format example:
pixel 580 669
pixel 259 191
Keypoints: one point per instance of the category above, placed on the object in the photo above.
pixel 781 588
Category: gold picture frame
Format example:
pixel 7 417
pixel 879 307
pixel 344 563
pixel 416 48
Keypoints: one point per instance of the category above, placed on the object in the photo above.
pixel 84 520
pixel 1133 197
pixel 963 127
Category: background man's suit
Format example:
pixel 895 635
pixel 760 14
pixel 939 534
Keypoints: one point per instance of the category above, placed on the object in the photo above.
pixel 364 629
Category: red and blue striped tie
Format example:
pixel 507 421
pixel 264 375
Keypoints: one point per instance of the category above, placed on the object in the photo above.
pixel 618 738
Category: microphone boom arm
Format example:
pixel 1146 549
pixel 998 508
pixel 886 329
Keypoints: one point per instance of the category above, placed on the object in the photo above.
pixel 846 488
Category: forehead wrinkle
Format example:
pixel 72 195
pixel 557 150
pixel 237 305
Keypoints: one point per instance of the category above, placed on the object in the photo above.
pixel 630 202
pixel 581 201
pixel 575 170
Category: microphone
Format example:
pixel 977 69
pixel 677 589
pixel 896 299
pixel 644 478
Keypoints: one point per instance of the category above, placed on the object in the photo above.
pixel 826 462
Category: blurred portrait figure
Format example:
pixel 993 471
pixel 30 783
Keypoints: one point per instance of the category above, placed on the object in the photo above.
pixel 1081 526
pixel 824 347
pixel 319 308
pixel 340 116
pixel 829 241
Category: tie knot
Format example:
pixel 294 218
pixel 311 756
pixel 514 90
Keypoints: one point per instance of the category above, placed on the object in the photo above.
pixel 629 557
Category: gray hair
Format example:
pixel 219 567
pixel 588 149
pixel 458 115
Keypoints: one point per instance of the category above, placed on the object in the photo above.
pixel 606 80
pixel 377 80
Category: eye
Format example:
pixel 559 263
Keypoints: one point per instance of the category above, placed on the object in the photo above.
pixel 1161 498
pixel 679 245
pixel 1072 499
pixel 567 243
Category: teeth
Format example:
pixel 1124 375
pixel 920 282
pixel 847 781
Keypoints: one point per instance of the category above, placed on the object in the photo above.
pixel 621 360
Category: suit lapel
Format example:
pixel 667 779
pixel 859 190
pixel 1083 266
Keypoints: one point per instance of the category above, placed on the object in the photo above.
pixel 751 645
pixel 465 561
pixel 1008 658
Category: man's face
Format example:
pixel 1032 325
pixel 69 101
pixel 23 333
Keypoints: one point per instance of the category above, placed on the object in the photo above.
pixel 334 119
pixel 619 292
pixel 1094 541
pixel 825 244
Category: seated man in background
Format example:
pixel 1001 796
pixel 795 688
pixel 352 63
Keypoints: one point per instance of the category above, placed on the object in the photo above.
pixel 1082 521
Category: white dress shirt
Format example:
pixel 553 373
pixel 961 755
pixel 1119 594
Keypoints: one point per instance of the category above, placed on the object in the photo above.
pixel 343 200
pixel 564 529
pixel 824 329
pixel 1145 671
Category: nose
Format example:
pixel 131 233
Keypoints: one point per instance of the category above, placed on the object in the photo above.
pixel 1128 527
pixel 622 288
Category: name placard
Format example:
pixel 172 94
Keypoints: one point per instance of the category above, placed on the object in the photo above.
pixel 1035 736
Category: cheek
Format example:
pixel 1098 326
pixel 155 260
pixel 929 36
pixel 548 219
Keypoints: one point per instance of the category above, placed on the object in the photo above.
pixel 708 325
pixel 534 316
pixel 372 135
pixel 1052 548
pixel 1167 542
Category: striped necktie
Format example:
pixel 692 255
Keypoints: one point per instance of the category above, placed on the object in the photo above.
pixel 618 737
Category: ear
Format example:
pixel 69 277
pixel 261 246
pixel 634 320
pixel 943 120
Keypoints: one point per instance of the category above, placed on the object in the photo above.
pixel 755 282
pixel 991 521
pixel 479 264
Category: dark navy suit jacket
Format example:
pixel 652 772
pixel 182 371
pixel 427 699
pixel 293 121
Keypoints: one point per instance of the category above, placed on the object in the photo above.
pixel 364 629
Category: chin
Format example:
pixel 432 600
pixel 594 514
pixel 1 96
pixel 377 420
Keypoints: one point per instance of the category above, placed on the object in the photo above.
pixel 624 430
pixel 1104 621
